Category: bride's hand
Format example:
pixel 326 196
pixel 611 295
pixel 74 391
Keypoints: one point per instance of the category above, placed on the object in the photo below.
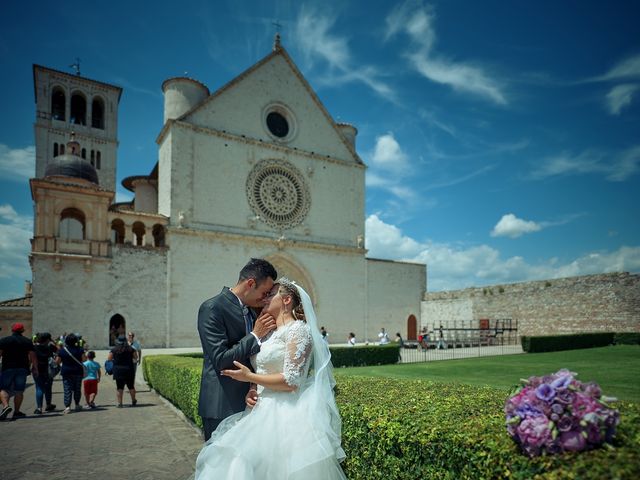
pixel 242 374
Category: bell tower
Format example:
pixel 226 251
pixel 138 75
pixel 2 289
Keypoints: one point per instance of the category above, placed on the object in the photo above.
pixel 67 103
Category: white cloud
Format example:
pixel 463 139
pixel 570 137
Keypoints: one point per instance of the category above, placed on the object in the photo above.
pixel 620 97
pixel 313 36
pixel 416 20
pixel 17 163
pixel 511 226
pixel 15 235
pixel 615 167
pixel 452 267
pixel 387 154
pixel 625 69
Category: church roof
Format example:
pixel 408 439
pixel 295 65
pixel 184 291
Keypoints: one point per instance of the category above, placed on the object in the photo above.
pixel 23 302
pixel 278 50
pixel 71 166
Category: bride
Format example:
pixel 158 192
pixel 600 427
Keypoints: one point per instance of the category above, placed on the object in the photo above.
pixel 293 430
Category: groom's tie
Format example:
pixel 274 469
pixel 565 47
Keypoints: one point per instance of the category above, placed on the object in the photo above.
pixel 248 321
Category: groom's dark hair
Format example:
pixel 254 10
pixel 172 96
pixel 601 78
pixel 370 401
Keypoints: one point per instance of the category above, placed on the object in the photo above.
pixel 258 269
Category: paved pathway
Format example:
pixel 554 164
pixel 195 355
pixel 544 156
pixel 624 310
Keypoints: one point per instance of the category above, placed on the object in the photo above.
pixel 150 441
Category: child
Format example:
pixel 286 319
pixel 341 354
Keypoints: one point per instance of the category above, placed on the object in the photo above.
pixel 92 379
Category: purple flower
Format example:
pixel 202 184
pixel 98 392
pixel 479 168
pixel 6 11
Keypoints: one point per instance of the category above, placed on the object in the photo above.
pixel 545 392
pixel 572 441
pixel 527 410
pixel 557 408
pixel 565 397
pixel 565 424
pixel 593 390
pixel 534 431
pixel 562 382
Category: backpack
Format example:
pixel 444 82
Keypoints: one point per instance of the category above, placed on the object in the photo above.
pixel 108 367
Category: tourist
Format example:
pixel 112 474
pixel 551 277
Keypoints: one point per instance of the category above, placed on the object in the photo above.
pixel 18 356
pixel 441 344
pixel 45 351
pixel 229 332
pixel 351 339
pixel 383 337
pixel 399 340
pixel 124 357
pixel 325 335
pixel 71 356
pixel 299 407
pixel 135 344
pixel 91 380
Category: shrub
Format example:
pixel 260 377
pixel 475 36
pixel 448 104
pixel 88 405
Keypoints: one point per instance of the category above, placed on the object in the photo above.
pixel 555 343
pixel 360 356
pixel 408 429
pixel 627 338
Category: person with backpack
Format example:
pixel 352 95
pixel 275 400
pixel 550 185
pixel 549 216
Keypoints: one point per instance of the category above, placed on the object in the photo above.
pixel 124 357
pixel 45 352
pixel 71 356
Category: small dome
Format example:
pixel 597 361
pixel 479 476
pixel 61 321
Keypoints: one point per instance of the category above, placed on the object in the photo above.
pixel 71 166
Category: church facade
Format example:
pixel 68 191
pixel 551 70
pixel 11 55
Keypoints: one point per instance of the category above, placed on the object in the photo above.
pixel 256 169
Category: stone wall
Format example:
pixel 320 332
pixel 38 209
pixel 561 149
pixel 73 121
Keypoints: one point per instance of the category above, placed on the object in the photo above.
pixel 591 303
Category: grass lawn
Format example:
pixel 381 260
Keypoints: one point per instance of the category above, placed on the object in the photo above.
pixel 616 369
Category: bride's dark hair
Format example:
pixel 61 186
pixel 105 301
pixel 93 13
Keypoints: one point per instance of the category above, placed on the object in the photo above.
pixel 287 287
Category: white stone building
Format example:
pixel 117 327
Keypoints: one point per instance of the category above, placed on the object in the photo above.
pixel 257 169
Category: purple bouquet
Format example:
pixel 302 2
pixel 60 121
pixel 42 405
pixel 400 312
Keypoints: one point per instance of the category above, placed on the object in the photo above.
pixel 557 413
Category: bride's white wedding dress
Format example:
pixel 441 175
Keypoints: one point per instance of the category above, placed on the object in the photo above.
pixel 287 435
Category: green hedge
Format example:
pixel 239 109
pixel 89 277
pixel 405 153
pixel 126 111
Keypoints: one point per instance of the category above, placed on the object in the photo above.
pixel 360 356
pixel 408 429
pixel 556 343
pixel 627 338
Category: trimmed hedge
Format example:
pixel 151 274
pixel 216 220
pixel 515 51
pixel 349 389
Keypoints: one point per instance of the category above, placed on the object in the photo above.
pixel 556 343
pixel 627 338
pixel 360 356
pixel 408 429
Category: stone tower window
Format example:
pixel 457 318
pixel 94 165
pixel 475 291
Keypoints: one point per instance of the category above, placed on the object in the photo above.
pixel 139 232
pixel 55 149
pixel 84 153
pixel 98 160
pixel 58 101
pixel 97 113
pixel 158 235
pixel 78 109
pixel 277 124
pixel 72 224
pixel 117 231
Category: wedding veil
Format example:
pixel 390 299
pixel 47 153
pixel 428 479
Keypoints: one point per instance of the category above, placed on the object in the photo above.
pixel 317 394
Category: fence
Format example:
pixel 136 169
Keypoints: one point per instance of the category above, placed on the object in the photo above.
pixel 493 337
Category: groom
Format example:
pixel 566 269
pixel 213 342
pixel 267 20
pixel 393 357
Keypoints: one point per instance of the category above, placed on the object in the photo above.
pixel 227 333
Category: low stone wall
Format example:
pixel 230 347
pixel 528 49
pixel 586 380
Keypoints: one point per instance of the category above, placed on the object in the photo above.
pixel 591 303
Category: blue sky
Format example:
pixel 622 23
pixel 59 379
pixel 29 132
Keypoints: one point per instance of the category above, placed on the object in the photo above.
pixel 502 138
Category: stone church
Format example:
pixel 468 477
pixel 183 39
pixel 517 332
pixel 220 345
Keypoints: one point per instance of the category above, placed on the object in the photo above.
pixel 258 168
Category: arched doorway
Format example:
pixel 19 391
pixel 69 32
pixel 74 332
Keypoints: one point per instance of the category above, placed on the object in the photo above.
pixel 412 327
pixel 117 327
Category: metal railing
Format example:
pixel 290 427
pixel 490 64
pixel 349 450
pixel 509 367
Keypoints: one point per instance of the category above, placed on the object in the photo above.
pixel 496 337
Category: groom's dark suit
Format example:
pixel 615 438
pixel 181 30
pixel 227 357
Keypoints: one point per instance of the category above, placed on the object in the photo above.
pixel 224 338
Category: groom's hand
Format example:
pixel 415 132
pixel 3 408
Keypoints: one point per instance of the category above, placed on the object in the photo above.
pixel 264 324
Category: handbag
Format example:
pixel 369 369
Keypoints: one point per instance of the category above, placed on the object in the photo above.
pixel 85 372
pixel 54 368
pixel 108 367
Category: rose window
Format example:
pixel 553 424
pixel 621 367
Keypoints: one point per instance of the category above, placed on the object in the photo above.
pixel 278 194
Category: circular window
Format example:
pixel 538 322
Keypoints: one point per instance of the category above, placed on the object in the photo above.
pixel 277 124
pixel 278 193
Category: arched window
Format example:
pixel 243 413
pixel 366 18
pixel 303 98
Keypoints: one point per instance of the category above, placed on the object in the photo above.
pixel 93 158
pixel 97 113
pixel 117 231
pixel 72 224
pixel 78 109
pixel 98 160
pixel 55 149
pixel 61 151
pixel 158 235
pixel 84 153
pixel 139 232
pixel 58 101
pixel 117 327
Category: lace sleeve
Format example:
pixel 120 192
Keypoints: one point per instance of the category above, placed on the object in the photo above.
pixel 297 354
